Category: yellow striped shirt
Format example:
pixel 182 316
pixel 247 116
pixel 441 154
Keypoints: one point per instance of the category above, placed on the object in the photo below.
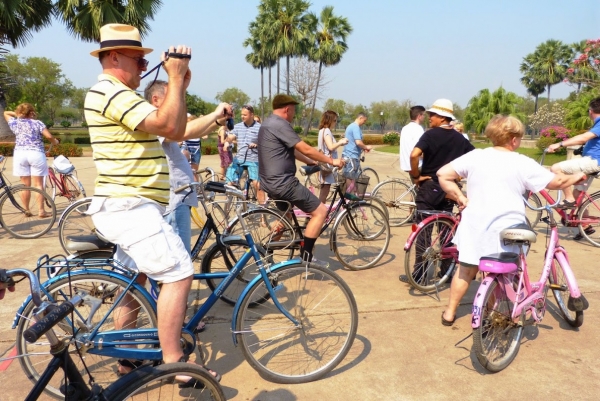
pixel 129 162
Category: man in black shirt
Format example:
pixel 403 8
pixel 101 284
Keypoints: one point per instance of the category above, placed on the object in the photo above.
pixel 438 147
pixel 279 147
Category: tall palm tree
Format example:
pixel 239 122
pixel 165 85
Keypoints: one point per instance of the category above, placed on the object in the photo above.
pixel 486 104
pixel 260 57
pixel 550 62
pixel 329 45
pixel 84 18
pixel 531 81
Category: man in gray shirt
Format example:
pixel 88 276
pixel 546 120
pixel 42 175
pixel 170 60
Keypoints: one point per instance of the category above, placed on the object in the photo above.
pixel 279 147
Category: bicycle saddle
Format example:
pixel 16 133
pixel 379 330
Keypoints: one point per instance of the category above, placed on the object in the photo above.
pixel 519 233
pixel 83 243
pixel 308 170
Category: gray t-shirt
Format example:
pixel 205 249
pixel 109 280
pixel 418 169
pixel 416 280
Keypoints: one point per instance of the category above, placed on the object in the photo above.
pixel 276 161
pixel 180 173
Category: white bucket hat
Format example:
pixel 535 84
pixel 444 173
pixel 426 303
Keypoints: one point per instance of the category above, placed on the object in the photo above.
pixel 442 107
pixel 119 36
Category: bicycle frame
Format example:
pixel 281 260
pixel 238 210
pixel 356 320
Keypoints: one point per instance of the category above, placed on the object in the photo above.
pixel 570 218
pixel 447 252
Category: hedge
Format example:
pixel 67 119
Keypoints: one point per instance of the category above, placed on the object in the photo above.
pixel 65 149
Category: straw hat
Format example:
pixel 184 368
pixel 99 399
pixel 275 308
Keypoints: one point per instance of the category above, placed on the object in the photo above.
pixel 119 36
pixel 442 107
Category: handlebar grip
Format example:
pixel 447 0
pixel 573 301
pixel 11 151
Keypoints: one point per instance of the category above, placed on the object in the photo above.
pixel 40 328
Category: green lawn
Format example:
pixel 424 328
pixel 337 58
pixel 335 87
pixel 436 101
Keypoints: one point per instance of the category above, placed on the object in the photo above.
pixel 533 153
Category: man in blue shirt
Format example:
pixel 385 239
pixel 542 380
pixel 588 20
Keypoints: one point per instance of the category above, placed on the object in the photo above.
pixel 354 147
pixel 587 164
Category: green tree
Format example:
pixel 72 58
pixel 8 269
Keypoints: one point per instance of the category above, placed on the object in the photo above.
pixel 328 37
pixel 486 104
pixel 235 97
pixel 549 63
pixel 585 68
pixel 531 79
pixel 196 106
pixel 19 18
pixel 259 58
pixel 337 105
pixel 577 116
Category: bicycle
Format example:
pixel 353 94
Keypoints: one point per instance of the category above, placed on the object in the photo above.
pixel 148 382
pixel 399 198
pixel 62 182
pixel 244 182
pixel 430 256
pixel 359 237
pixel 506 294
pixel 15 217
pixel 295 321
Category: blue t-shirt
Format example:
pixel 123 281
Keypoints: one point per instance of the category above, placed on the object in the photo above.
pixel 592 147
pixel 353 133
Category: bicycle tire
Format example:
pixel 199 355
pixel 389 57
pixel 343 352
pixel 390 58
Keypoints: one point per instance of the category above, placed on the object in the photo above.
pixel 533 216
pixel 326 309
pixel 399 199
pixel 17 222
pixel 380 204
pixel 557 279
pixel 73 190
pixel 591 213
pixel 157 383
pixel 497 327
pixel 260 222
pixel 35 357
pixel 429 272
pixel 361 236
pixel 74 222
pixel 251 192
pixel 213 261
pixel 373 178
pixel 49 186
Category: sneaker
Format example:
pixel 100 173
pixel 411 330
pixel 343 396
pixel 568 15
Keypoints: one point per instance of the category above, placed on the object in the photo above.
pixel 319 263
pixel 588 231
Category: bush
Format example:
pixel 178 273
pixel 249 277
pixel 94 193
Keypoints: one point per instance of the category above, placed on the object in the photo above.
pixel 82 140
pixel 391 138
pixel 210 150
pixel 66 149
pixel 298 130
pixel 372 139
pixel 48 123
pixel 65 123
pixel 84 124
pixel 553 134
pixel 543 142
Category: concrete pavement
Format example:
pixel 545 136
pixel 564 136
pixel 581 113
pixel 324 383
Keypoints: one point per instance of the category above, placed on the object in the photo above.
pixel 401 352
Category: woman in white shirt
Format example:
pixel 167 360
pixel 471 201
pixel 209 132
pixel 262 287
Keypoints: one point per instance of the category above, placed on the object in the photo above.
pixel 328 145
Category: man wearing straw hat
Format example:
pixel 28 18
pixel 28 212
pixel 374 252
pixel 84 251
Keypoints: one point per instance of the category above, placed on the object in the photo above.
pixel 438 147
pixel 132 187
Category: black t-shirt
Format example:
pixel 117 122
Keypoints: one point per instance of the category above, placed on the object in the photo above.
pixel 440 146
pixel 276 160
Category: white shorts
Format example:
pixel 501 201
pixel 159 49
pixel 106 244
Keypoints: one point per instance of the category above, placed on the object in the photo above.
pixel 137 226
pixel 585 165
pixel 29 163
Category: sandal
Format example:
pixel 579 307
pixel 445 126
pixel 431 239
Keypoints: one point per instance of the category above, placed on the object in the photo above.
pixel 44 215
pixel 126 363
pixel 193 383
pixel 589 230
pixel 567 205
pixel 448 322
pixel 27 213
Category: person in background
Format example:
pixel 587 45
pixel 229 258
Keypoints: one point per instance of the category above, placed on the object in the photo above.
pixel 224 147
pixel 192 149
pixel 257 119
pixel 29 157
pixel 355 146
pixel 460 127
pixel 409 136
pixel 328 146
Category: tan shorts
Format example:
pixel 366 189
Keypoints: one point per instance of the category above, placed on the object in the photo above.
pixel 585 165
pixel 137 226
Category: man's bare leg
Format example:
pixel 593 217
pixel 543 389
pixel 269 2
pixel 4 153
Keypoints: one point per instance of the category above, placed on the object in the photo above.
pixel 171 307
pixel 568 191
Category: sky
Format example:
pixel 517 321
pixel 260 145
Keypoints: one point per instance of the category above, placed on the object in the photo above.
pixel 398 50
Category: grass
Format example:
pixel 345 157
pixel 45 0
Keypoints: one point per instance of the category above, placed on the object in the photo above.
pixel 534 153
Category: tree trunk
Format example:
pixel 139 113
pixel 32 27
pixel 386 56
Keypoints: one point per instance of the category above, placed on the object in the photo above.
pixel 549 93
pixel 535 107
pixel 314 102
pixel 287 74
pixel 278 80
pixel 270 84
pixel 262 93
pixel 6 134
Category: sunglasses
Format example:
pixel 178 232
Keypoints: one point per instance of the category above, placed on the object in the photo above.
pixel 141 62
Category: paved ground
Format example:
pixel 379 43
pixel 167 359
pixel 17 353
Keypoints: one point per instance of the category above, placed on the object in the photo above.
pixel 402 352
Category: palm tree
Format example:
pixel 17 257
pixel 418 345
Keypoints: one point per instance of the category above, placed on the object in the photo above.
pixel 85 18
pixel 532 82
pixel 549 62
pixel 486 105
pixel 260 57
pixel 329 45
pixel 577 117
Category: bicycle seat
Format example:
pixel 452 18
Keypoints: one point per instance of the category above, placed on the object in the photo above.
pixel 518 233
pixel 503 262
pixel 83 243
pixel 308 170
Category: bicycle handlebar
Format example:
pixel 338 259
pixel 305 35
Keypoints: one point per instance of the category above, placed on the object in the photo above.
pixel 558 199
pixel 57 313
pixel 214 187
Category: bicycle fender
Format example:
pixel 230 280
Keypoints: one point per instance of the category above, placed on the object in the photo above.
pixel 75 273
pixel 479 299
pixel 244 293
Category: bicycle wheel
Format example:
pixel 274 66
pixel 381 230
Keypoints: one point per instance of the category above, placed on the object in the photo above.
pixel 105 290
pixel 251 191
pixel 214 261
pixel 74 222
pixel 158 383
pixel 324 306
pixel 423 263
pixel 16 218
pixel 498 338
pixel 399 199
pixel 49 186
pixel 199 218
pixel 589 213
pixel 560 289
pixel 380 204
pixel 361 237
pixel 533 216
pixel 373 178
pixel 269 229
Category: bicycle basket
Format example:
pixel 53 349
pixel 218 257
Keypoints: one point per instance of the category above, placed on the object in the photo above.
pixel 361 185
pixel 63 165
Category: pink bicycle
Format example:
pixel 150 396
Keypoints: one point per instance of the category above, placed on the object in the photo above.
pixel 507 297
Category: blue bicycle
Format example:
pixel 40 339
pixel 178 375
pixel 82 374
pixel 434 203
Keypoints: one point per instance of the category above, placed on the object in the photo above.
pixel 295 321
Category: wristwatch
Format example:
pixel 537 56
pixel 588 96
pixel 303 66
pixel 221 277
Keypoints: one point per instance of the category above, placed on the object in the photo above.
pixel 217 122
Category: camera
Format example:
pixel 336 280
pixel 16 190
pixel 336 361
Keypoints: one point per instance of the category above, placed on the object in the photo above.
pixel 230 123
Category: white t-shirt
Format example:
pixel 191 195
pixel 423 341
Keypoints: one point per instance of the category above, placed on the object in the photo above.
pixel 496 181
pixel 409 136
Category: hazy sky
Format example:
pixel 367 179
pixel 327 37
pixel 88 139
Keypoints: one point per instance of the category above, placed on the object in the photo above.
pixel 398 50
